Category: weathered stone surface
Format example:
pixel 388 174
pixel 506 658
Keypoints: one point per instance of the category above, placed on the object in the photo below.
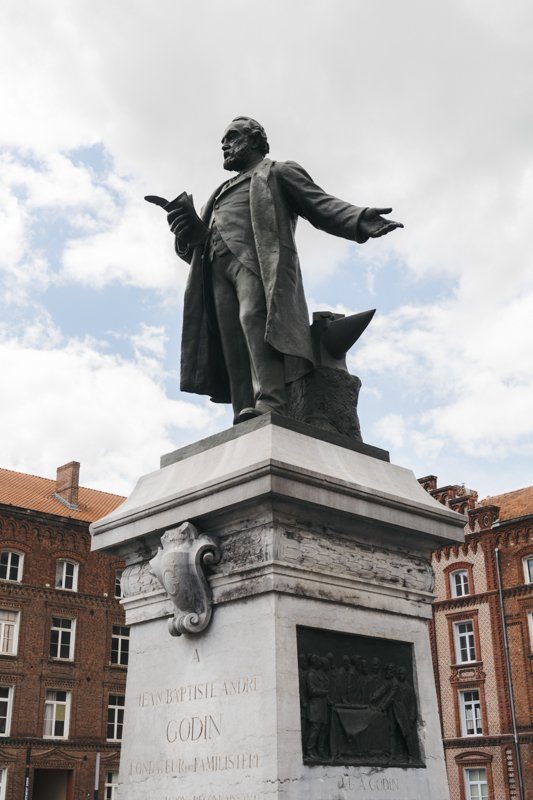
pixel 336 484
pixel 326 398
pixel 311 534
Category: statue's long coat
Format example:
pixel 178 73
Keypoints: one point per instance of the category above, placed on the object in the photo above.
pixel 279 193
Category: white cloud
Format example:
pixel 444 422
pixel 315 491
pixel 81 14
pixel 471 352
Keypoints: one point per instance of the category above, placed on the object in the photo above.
pixel 137 250
pixel 473 371
pixel 75 402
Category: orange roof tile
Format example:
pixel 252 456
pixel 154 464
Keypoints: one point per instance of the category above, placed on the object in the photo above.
pixel 512 504
pixel 37 494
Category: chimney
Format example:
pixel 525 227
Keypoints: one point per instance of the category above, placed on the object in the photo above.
pixel 67 482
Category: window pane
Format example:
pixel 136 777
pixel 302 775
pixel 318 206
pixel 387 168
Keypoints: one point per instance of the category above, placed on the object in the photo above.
pixel 476 784
pixel 5 696
pixel 465 641
pixel 66 575
pixel 8 627
pixel 10 565
pixel 460 583
pixel 120 645
pixel 56 713
pixel 111 783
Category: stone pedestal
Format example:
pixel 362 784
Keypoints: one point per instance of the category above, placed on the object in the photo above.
pixel 324 552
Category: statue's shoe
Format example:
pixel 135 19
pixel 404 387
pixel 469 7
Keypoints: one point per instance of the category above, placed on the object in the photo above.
pixel 246 414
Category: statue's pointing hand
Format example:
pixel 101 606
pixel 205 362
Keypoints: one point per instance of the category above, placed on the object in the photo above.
pixel 372 224
pixel 186 224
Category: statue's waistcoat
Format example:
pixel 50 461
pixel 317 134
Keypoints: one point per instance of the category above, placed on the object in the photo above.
pixel 232 217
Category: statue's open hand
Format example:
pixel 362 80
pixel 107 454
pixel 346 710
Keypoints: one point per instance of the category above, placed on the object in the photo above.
pixel 186 224
pixel 372 224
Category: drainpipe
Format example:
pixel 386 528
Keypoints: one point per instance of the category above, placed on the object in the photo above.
pixel 509 677
pixel 96 776
pixel 27 774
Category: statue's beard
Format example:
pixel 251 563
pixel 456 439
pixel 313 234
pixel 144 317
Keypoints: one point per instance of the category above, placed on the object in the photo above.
pixel 237 158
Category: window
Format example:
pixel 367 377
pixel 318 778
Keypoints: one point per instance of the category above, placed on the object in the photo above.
pixel 115 717
pixel 56 714
pixel 3 780
pixel 11 565
pixel 459 583
pixel 6 695
pixel 528 569
pixel 111 783
pixel 470 713
pixel 530 621
pixel 120 644
pixel 9 631
pixel 118 584
pixel 476 784
pixel 62 638
pixel 67 575
pixel 465 648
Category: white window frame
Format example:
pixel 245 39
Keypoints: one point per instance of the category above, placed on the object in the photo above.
pixel 117 722
pixel 470 645
pixel 9 708
pixel 64 633
pixel 527 564
pixel 3 782
pixel 62 578
pixel 111 786
pixel 120 638
pixel 458 588
pixel 530 624
pixel 118 584
pixel 4 625
pixel 479 784
pixel 471 711
pixel 53 704
pixel 20 565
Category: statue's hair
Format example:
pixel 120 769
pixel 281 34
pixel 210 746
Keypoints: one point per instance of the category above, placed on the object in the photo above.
pixel 252 126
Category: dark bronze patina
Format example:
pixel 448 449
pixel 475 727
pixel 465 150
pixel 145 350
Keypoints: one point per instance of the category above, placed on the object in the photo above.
pixel 357 700
pixel 246 334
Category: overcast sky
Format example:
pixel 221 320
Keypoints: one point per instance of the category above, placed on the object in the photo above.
pixel 425 106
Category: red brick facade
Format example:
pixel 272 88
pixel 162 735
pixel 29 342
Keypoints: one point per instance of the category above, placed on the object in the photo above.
pixel 55 643
pixel 475 697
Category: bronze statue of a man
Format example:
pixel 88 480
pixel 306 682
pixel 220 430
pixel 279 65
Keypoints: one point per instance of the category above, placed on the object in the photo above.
pixel 246 327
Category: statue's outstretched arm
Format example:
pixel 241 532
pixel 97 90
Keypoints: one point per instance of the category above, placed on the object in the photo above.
pixel 329 213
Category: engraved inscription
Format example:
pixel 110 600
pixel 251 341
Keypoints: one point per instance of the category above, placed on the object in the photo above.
pixel 223 762
pixel 192 692
pixel 193 729
pixel 209 796
pixel 370 783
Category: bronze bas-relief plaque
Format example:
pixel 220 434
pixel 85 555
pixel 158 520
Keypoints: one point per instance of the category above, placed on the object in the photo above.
pixel 357 700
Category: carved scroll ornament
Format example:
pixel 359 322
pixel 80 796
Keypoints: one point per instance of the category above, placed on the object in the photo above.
pixel 179 565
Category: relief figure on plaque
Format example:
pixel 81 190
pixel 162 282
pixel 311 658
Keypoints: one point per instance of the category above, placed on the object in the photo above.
pixel 304 693
pixel 317 708
pixel 355 707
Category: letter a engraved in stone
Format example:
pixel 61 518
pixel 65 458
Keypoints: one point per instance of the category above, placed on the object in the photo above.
pixel 179 565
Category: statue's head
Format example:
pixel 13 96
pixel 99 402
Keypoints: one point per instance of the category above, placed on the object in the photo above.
pixel 244 142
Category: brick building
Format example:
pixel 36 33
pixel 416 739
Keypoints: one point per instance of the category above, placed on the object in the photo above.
pixel 482 639
pixel 63 644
